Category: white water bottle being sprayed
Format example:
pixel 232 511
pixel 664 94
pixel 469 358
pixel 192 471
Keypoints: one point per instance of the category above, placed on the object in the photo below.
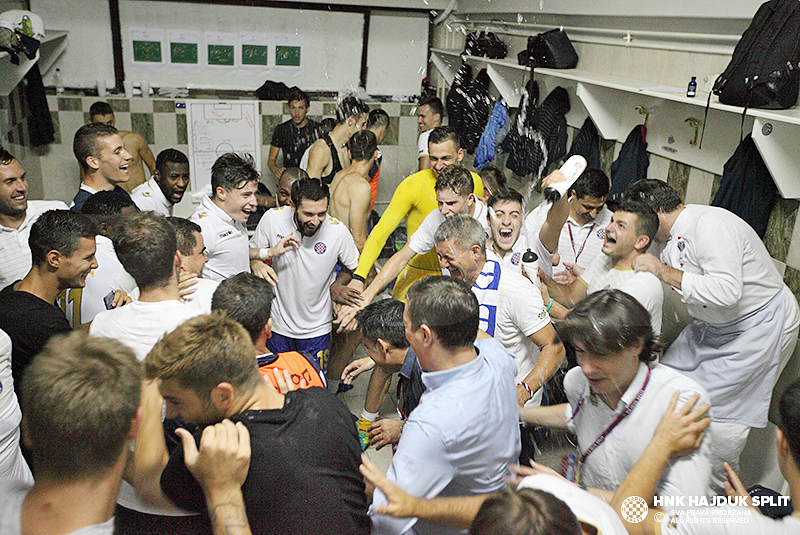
pixel 572 169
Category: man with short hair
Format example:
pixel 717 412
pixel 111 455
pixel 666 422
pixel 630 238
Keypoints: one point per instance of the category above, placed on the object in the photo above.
pixel 193 256
pixel 350 189
pixel 294 136
pixel 248 300
pixel 463 434
pixel 147 248
pixel 378 124
pixel 62 245
pixel 104 162
pixel 146 245
pixel 223 215
pixel 206 372
pixel 17 215
pixel 135 144
pixel 81 402
pixel 454 187
pixel 511 308
pixel 328 154
pixel 305 244
pixel 283 194
pixel 81 397
pixel 413 200
pixel 618 394
pixel 581 238
pixel 383 334
pixel 629 235
pixel 505 214
pixel 429 116
pixel 108 285
pixel 166 187
pixel 745 319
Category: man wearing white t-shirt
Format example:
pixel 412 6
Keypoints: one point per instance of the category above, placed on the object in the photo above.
pixel 167 185
pixel 618 394
pixel 108 285
pixel 629 235
pixel 454 194
pixel 17 214
pixel 223 216
pixel 429 116
pixel 745 319
pixel 305 245
pixel 581 238
pixel 511 308
pixel 507 243
pixel 192 254
pixel 146 246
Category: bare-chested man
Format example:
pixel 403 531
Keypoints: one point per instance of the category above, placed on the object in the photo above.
pixel 328 154
pixel 135 144
pixel 351 192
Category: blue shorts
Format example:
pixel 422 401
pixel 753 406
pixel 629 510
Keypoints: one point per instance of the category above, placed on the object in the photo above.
pixel 314 349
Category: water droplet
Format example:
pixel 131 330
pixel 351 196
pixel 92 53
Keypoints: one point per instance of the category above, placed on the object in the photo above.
pixel 426 2
pixel 520 18
pixel 541 4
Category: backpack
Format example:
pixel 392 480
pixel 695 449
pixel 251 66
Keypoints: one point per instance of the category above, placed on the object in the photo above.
pixel 764 71
pixel 747 188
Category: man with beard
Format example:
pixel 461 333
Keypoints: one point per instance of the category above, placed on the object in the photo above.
pixel 17 215
pixel 305 244
pixel 167 186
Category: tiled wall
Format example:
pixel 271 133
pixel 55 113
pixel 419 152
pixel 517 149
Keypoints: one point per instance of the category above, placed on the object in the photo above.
pixel 163 125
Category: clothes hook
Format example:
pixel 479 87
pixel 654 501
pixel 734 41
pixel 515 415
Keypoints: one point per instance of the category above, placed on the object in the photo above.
pixel 643 111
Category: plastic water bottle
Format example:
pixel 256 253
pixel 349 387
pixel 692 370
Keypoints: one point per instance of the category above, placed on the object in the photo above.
pixel 530 262
pixel 58 78
pixel 572 169
pixel 692 89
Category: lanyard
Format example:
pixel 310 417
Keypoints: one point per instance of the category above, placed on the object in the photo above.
pixel 614 424
pixel 578 254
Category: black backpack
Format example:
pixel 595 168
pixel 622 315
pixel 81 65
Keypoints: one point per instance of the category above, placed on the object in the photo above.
pixel 764 71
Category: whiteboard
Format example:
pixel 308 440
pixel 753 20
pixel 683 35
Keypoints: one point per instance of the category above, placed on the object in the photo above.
pixel 218 127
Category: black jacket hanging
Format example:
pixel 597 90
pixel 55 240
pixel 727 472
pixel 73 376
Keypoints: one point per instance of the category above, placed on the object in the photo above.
pixel 40 122
pixel 587 144
pixel 457 102
pixel 631 165
pixel 747 188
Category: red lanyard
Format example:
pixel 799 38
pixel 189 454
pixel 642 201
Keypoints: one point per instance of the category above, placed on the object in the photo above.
pixel 614 424
pixel 578 254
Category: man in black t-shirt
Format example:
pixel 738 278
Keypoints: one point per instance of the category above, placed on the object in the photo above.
pixel 62 247
pixel 294 136
pixel 303 475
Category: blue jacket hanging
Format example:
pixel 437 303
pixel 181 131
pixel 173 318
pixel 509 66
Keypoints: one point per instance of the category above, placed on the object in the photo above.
pixel 485 152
